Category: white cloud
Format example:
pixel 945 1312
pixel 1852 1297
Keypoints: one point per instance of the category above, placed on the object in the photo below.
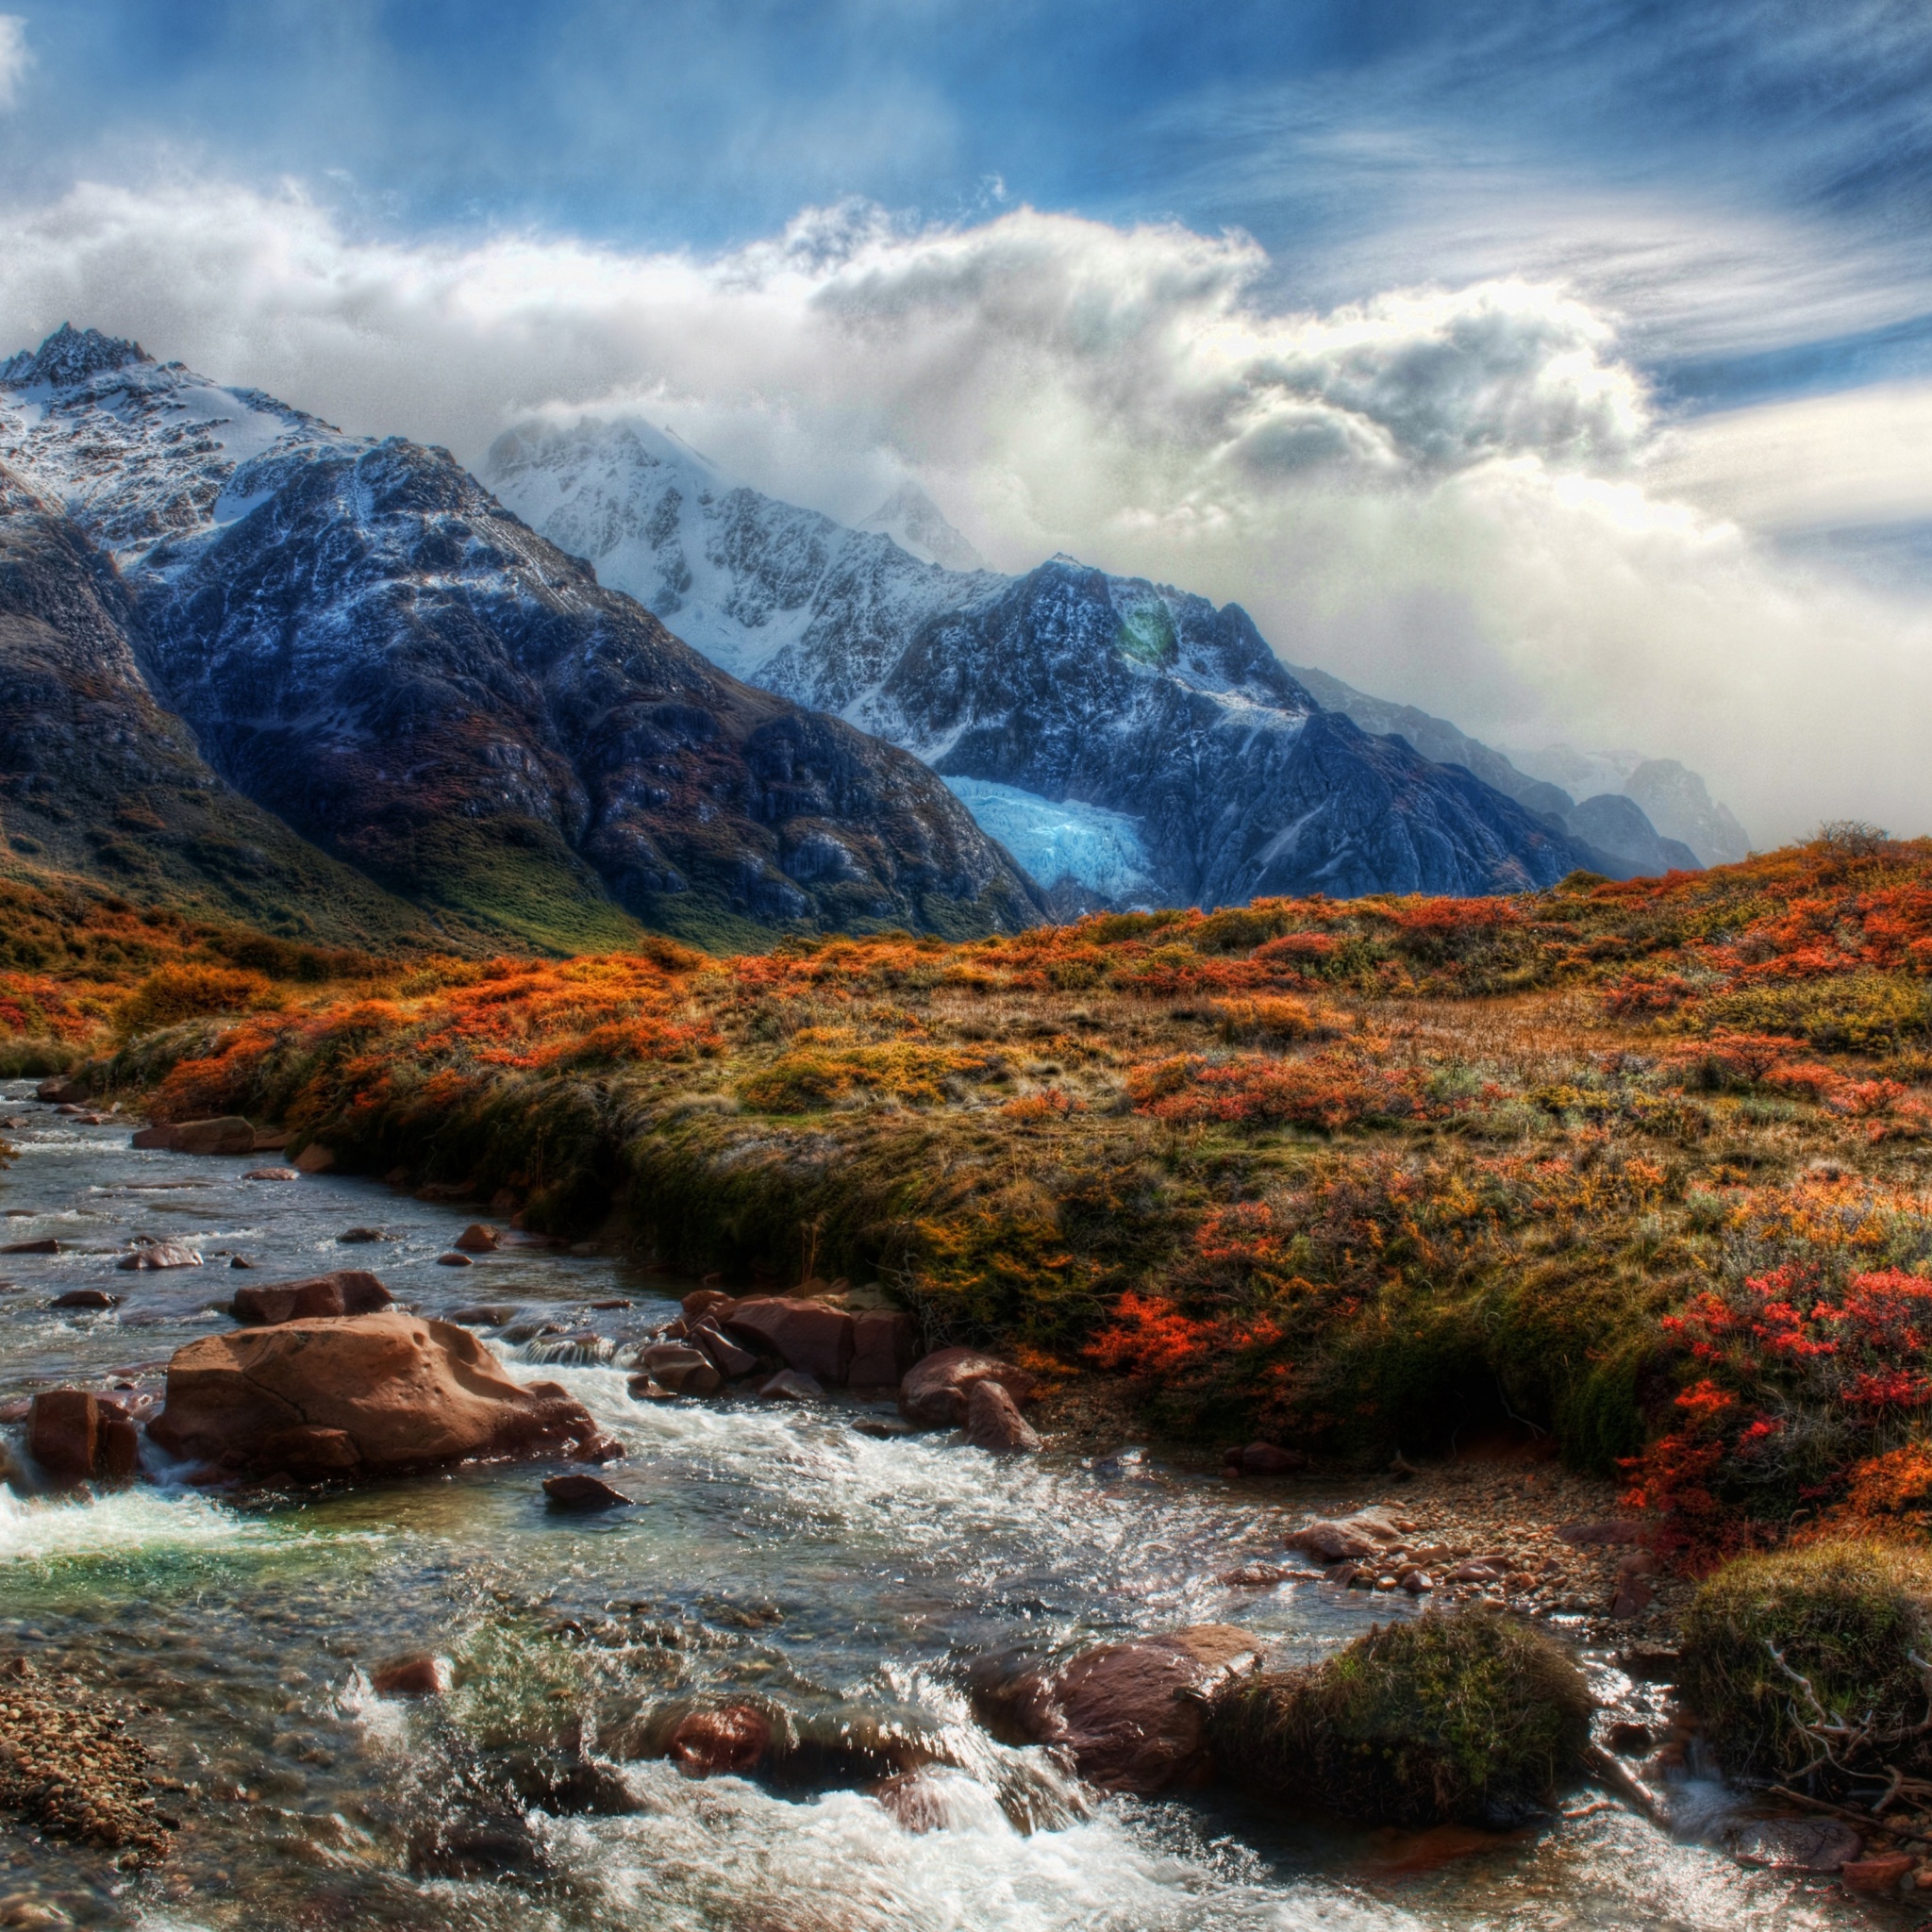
pixel 1453 497
pixel 16 57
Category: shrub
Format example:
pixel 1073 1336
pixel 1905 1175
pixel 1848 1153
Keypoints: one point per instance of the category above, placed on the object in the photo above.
pixel 1804 1664
pixel 187 992
pixel 1465 1717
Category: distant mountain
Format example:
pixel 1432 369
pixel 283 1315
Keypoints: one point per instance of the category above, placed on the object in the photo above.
pixel 367 645
pixel 914 521
pixel 1129 744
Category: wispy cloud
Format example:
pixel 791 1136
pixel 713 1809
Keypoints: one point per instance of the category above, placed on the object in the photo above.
pixel 16 57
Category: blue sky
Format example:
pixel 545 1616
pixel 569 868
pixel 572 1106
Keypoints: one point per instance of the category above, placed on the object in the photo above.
pixel 1564 366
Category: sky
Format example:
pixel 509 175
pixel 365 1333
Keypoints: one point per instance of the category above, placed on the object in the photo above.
pixel 1562 366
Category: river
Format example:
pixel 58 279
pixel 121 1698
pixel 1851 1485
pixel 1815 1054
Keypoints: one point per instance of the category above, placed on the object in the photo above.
pixel 778 1551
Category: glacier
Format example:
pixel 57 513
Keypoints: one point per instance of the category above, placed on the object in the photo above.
pixel 1057 843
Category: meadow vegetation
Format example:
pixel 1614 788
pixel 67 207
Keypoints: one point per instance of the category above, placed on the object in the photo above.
pixel 1643 1166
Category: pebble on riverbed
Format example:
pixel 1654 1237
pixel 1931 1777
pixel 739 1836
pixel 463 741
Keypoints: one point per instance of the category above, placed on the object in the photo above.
pixel 68 1766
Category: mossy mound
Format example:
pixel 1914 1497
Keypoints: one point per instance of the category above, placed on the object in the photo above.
pixel 1844 1616
pixel 1467 1717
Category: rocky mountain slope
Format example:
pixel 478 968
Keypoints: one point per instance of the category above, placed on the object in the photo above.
pixel 367 645
pixel 1129 744
pixel 97 780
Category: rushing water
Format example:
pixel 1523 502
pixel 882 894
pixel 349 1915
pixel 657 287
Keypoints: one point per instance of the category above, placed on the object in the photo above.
pixel 779 1551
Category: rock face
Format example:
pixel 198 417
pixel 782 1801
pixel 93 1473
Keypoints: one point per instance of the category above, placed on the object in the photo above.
pixel 807 1336
pixel 365 644
pixel 937 1391
pixel 360 1396
pixel 1131 1715
pixel 994 1421
pixel 346 1292
pixel 76 1436
pixel 884 1345
pixel 1151 747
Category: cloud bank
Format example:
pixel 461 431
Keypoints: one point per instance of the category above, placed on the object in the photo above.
pixel 1462 498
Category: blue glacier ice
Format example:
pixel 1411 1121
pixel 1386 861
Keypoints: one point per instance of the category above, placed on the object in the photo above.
pixel 1053 841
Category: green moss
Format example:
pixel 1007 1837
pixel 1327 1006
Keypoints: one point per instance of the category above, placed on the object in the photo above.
pixel 1845 1616
pixel 1467 1717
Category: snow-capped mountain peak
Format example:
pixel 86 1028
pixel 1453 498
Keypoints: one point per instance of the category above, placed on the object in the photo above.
pixel 70 356
pixel 916 523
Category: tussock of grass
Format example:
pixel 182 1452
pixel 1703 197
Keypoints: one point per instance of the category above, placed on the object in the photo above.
pixel 1469 1717
pixel 1845 1616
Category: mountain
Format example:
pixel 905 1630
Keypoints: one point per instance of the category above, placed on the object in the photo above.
pixel 1658 818
pixel 1128 742
pixel 366 644
pixel 97 779
pixel 915 522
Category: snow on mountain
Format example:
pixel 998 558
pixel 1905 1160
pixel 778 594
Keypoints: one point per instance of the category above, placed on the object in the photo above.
pixel 1082 691
pixel 916 523
pixel 367 644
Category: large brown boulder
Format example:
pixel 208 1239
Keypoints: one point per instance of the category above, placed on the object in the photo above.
pixel 937 1390
pixel 993 1420
pixel 1132 1716
pixel 230 1134
pixel 360 1395
pixel 803 1335
pixel 884 1345
pixel 346 1292
pixel 75 1435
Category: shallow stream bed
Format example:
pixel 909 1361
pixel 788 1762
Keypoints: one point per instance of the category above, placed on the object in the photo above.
pixel 777 1552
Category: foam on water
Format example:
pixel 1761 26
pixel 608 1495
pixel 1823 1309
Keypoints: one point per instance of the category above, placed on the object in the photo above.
pixel 131 1521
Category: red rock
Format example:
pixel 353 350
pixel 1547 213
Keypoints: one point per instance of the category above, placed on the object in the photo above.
pixel 1255 1576
pixel 1883 1874
pixel 682 1370
pixel 713 1302
pixel 401 1391
pixel 726 1356
pixel 311 1453
pixel 63 1433
pixel 344 1292
pixel 272 1173
pixel 885 1345
pixel 733 1739
pixel 584 1492
pixel 1633 1597
pixel 270 1141
pixel 453 1259
pixel 806 1336
pixel 791 1385
pixel 46 1246
pixel 86 1298
pixel 1364 1534
pixel 411 1676
pixel 477 1239
pixel 1132 1715
pixel 1639 1563
pixel 117 1450
pixel 935 1390
pixel 315 1159
pixel 60 1087
pixel 1583 1535
pixel 993 1420
pixel 1795 1845
pixel 227 1134
pixel 158 1254
pixel 1267 1458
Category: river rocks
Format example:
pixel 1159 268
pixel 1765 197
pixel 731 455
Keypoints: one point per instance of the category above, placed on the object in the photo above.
pixel 1130 1715
pixel 734 1738
pixel 160 1255
pixel 702 1302
pixel 227 1134
pixel 807 1336
pixel 76 1437
pixel 1264 1458
pixel 361 1395
pixel 315 1159
pixel 453 1259
pixel 486 1315
pixel 726 1356
pixel 345 1291
pixel 45 1245
pixel 884 1345
pixel 86 1298
pixel 272 1173
pixel 360 1237
pixel 1469 1718
pixel 993 1420
pixel 936 1390
pixel 683 1369
pixel 1795 1845
pixel 791 1385
pixel 1884 1873
pixel 477 1239
pixel 420 1676
pixel 62 1089
pixel 580 1493
pixel 1367 1533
